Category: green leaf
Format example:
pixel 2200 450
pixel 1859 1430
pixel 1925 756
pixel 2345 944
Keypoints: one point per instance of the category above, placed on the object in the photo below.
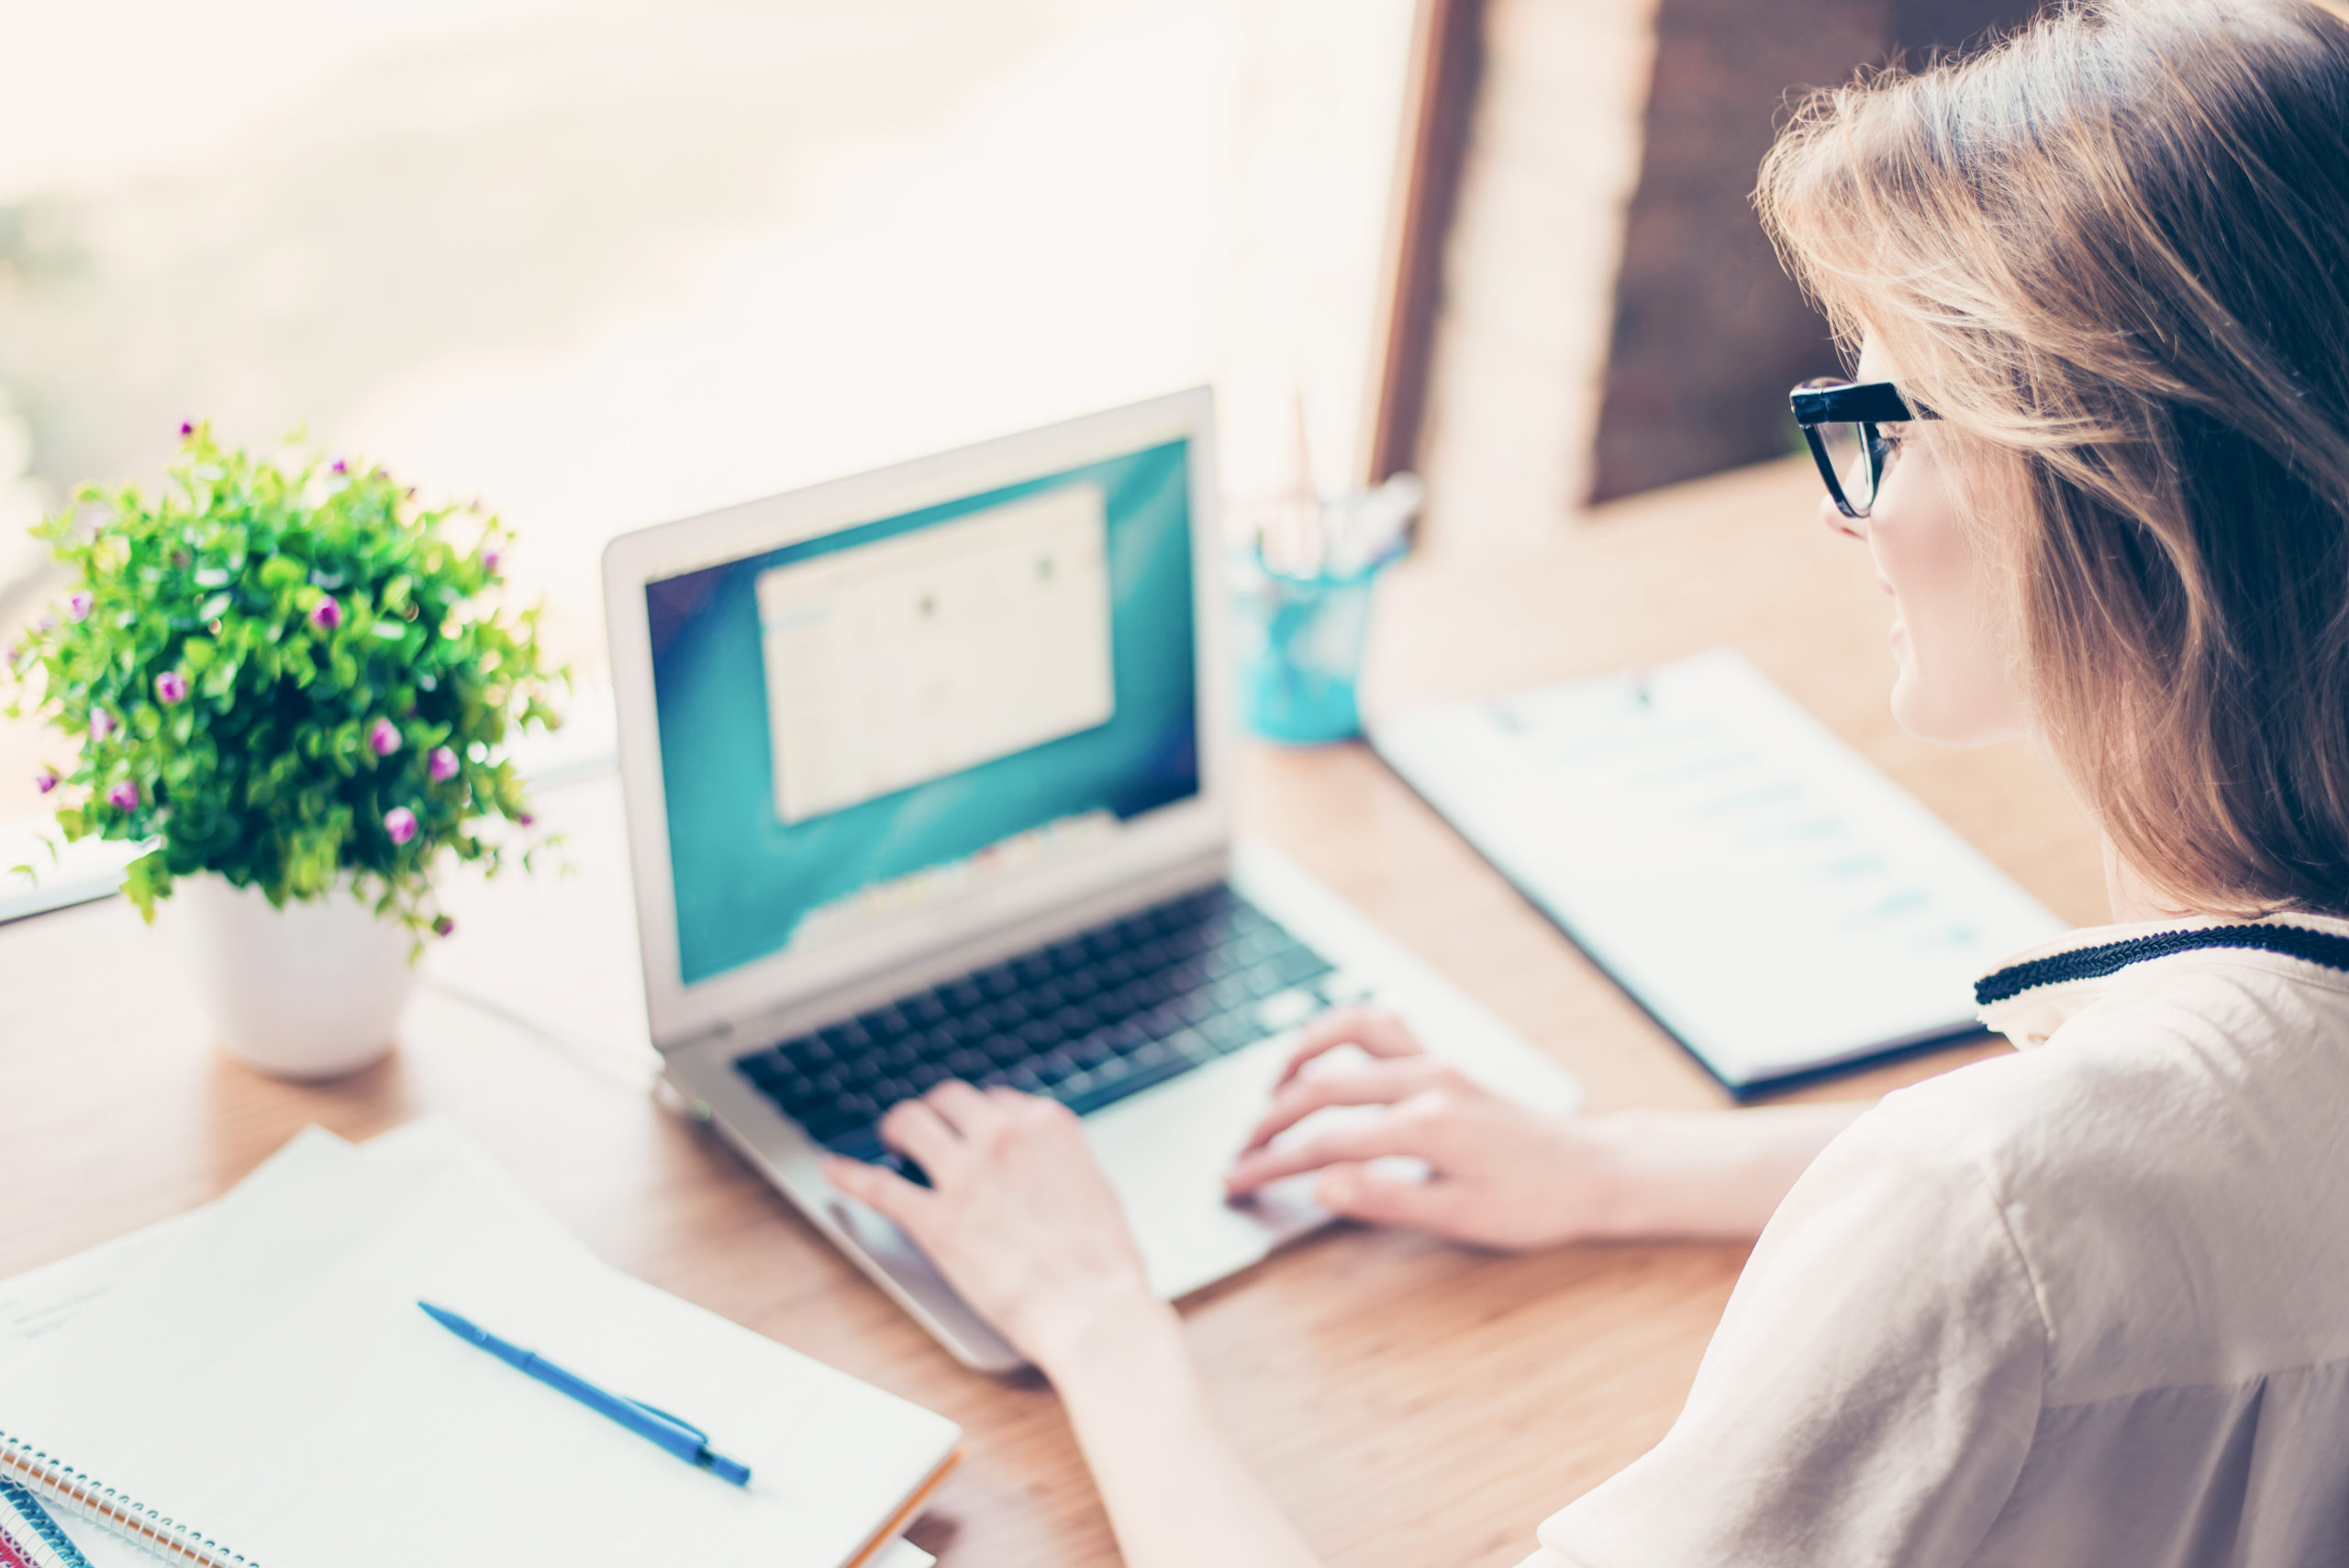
pixel 264 776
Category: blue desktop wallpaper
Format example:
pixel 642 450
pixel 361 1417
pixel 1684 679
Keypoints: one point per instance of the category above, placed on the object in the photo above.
pixel 744 880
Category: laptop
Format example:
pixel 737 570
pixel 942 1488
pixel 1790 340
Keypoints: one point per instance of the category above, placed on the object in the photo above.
pixel 929 774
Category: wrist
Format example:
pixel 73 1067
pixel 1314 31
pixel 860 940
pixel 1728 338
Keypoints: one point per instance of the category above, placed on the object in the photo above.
pixel 1658 1173
pixel 1709 1175
pixel 1113 1336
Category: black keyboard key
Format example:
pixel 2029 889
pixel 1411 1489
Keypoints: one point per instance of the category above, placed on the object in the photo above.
pixel 905 1165
pixel 1191 1045
pixel 864 1143
pixel 1299 964
pixel 1098 1093
pixel 1229 1031
pixel 860 1143
pixel 1263 980
pixel 1092 1018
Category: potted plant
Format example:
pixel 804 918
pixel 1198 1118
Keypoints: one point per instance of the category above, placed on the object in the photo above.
pixel 292 684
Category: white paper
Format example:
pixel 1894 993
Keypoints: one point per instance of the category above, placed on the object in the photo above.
pixel 1774 901
pixel 332 1421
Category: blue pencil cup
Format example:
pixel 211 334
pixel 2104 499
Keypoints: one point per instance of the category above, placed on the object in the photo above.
pixel 1300 642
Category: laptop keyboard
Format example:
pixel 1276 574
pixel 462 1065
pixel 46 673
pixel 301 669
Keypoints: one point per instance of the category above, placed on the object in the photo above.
pixel 1087 1020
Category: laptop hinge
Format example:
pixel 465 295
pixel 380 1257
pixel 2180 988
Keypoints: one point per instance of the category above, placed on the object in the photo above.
pixel 717 1031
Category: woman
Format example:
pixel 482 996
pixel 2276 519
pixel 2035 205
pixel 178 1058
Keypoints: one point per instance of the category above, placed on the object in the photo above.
pixel 2087 1303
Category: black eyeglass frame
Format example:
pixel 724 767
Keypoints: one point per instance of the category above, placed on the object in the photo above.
pixel 1866 404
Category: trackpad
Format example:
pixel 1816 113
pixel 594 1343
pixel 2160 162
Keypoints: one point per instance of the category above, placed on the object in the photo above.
pixel 1166 1152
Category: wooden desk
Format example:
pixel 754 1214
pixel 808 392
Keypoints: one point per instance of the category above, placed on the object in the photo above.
pixel 1408 1402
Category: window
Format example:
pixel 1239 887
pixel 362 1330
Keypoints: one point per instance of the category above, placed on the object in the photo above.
pixel 608 262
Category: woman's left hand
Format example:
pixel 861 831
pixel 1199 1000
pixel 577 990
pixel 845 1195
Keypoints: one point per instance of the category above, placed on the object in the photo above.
pixel 1018 1216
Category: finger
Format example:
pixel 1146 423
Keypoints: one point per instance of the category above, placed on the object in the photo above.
pixel 1374 1029
pixel 1379 1083
pixel 1382 1198
pixel 1035 1110
pixel 961 1106
pixel 885 1193
pixel 913 1127
pixel 1390 1134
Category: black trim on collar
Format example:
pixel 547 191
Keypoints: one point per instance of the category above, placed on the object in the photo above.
pixel 2111 958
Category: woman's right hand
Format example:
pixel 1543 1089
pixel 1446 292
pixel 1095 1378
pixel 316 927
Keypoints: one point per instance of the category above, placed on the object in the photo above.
pixel 1500 1173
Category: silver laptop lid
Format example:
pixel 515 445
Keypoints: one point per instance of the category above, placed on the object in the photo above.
pixel 868 721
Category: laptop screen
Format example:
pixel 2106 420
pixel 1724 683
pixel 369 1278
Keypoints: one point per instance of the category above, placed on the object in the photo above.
pixel 909 709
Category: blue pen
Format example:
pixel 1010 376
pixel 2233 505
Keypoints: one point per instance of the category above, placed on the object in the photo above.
pixel 682 1439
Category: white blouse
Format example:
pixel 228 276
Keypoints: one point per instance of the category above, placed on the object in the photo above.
pixel 2084 1304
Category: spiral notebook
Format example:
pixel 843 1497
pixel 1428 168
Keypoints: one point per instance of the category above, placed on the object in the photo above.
pixel 254 1385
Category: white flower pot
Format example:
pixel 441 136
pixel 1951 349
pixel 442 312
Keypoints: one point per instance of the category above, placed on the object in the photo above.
pixel 309 992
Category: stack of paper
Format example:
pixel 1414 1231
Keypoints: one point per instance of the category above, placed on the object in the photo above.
pixel 258 1371
pixel 1768 897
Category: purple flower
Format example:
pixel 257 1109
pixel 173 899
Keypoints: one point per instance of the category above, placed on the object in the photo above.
pixel 442 925
pixel 383 738
pixel 525 819
pixel 170 686
pixel 441 765
pixel 400 823
pixel 186 428
pixel 340 467
pixel 325 615
pixel 122 795
pixel 45 780
pixel 102 724
pixel 77 605
pixel 489 560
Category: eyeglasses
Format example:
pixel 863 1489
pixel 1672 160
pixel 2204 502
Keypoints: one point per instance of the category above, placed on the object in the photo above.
pixel 1840 421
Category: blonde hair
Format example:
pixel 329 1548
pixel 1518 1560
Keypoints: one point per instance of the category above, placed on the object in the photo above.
pixel 2112 253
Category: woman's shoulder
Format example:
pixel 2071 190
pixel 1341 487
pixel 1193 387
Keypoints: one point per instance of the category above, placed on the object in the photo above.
pixel 2191 1060
pixel 2174 1159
